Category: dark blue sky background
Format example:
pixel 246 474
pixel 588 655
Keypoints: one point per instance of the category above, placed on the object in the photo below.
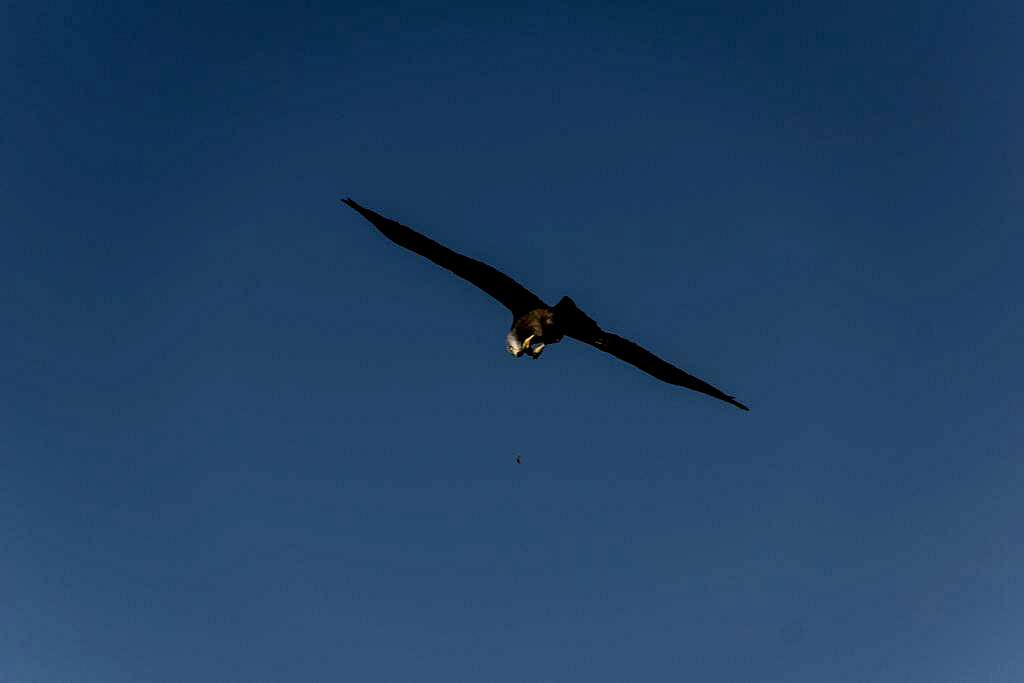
pixel 245 438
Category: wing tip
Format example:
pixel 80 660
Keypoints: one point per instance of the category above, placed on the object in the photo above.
pixel 361 210
pixel 737 404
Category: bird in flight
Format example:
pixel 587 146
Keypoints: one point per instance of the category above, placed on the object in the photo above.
pixel 535 325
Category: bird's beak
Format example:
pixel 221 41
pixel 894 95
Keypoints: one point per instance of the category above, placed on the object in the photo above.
pixel 526 342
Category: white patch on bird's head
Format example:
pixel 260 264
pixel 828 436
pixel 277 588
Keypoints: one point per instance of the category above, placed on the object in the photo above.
pixel 515 347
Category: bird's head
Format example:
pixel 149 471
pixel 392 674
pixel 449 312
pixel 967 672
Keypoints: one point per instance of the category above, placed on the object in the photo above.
pixel 518 345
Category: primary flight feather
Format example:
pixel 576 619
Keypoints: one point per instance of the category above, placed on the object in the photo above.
pixel 534 323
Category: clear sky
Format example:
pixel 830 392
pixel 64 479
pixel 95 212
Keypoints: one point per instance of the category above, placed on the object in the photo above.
pixel 244 437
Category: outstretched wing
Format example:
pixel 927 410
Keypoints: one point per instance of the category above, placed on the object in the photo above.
pixel 510 293
pixel 584 329
pixel 634 354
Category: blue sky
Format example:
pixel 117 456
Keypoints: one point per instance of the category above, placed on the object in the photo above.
pixel 246 438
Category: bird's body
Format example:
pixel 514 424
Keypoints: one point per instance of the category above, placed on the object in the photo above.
pixel 532 331
pixel 535 325
pixel 535 329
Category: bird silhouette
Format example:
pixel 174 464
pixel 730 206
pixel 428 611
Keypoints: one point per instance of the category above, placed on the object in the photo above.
pixel 535 325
